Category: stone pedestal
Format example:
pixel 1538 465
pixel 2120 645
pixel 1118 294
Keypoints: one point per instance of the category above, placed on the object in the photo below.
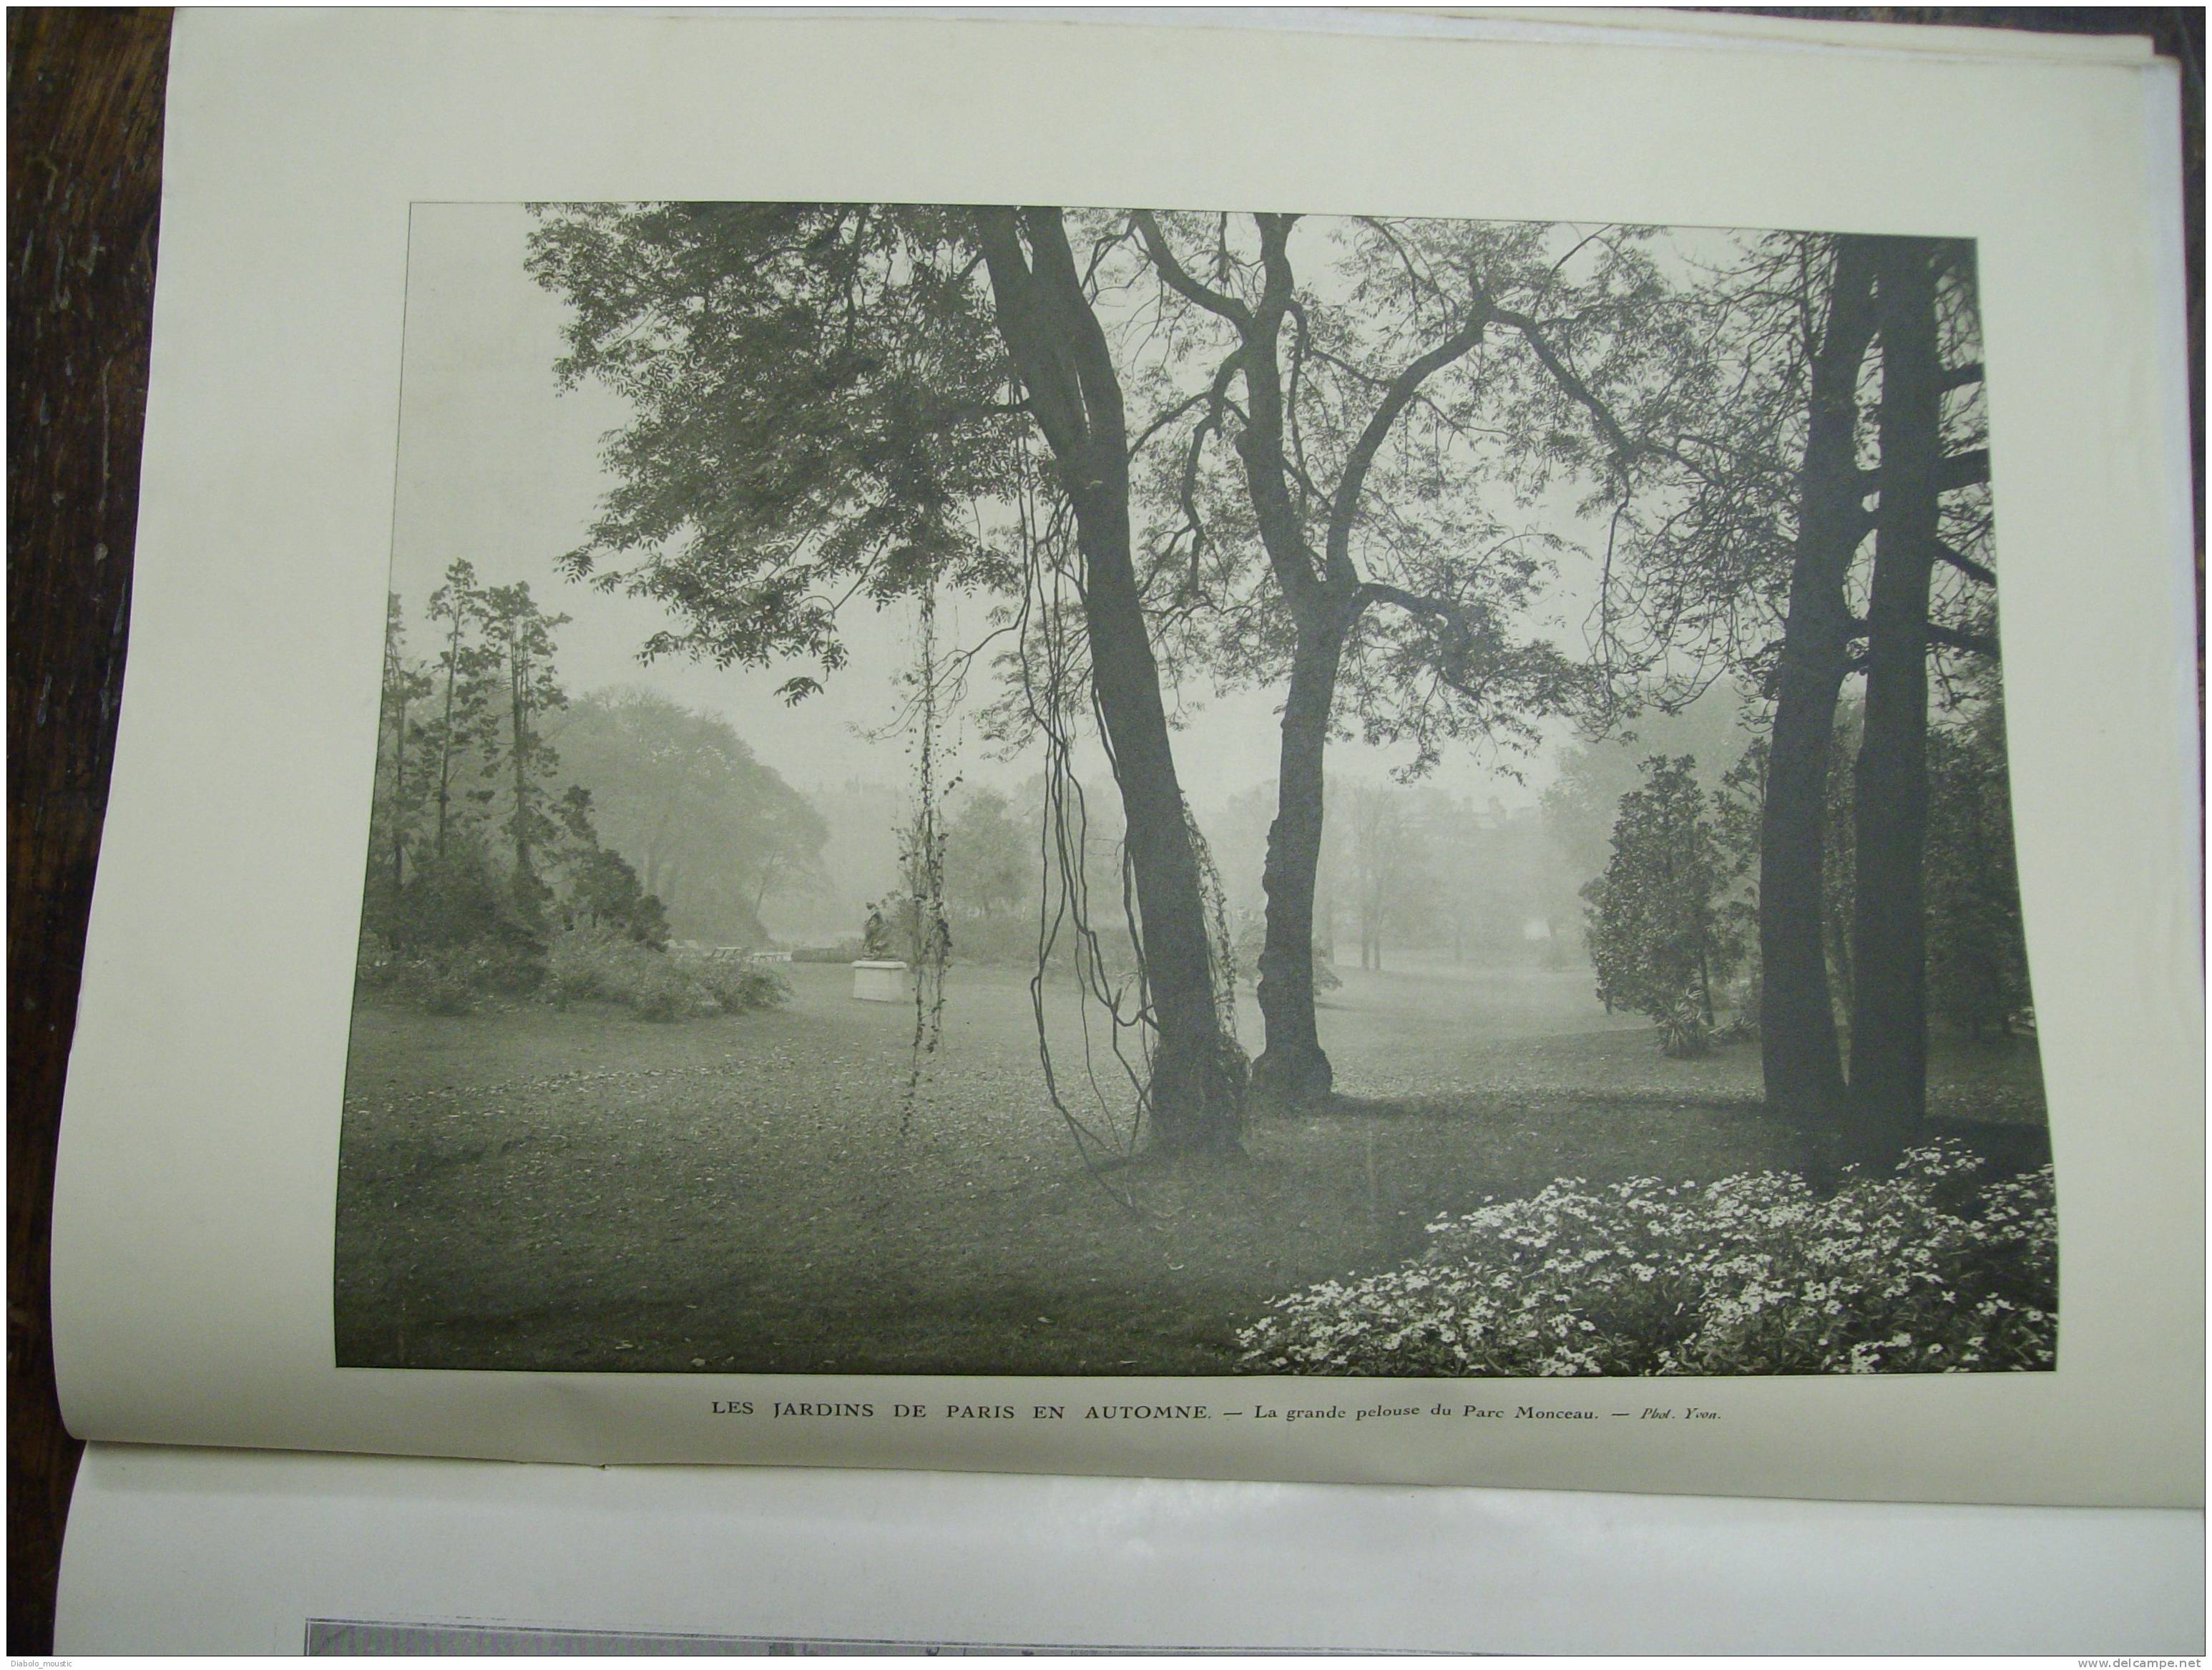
pixel 881 983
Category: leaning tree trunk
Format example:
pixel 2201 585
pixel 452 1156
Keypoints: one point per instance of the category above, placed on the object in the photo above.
pixel 1293 1069
pixel 1889 1004
pixel 1197 1092
pixel 1798 1046
pixel 1197 1086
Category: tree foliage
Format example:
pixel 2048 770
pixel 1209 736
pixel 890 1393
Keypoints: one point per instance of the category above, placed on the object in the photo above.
pixel 1977 950
pixel 991 857
pixel 1660 935
pixel 477 859
pixel 519 645
pixel 1327 454
pixel 1351 401
pixel 1383 860
pixel 820 400
pixel 713 831
pixel 464 721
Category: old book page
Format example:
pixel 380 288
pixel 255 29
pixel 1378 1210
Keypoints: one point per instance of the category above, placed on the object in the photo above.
pixel 196 1551
pixel 637 1169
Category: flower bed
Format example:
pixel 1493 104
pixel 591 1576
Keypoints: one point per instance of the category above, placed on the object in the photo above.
pixel 1925 1270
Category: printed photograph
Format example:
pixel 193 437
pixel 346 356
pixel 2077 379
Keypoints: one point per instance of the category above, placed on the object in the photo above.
pixel 969 790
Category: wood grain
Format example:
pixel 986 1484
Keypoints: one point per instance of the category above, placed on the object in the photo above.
pixel 84 173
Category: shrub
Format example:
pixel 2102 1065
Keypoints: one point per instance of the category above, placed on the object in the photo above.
pixel 601 964
pixel 660 991
pixel 1683 1035
pixel 437 984
pixel 459 931
pixel 1658 932
pixel 461 897
pixel 374 961
pixel 1917 1272
pixel 737 988
pixel 446 979
pixel 605 893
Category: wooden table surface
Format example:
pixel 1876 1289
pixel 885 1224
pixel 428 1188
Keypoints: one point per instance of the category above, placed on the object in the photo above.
pixel 84 143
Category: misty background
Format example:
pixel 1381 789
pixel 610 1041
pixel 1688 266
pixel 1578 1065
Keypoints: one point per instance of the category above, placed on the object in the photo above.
pixel 1483 856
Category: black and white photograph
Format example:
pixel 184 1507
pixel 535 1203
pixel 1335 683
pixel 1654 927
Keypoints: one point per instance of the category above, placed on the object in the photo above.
pixel 1089 791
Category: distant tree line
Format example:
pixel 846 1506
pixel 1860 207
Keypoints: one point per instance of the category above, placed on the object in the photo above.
pixel 504 815
pixel 713 833
pixel 1404 868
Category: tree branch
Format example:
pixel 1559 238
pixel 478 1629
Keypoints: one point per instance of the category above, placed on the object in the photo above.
pixel 1014 288
pixel 1212 396
pixel 1280 284
pixel 1460 632
pixel 1957 470
pixel 1260 437
pixel 1077 329
pixel 1414 280
pixel 1625 451
pixel 1172 273
pixel 1210 424
pixel 1966 565
pixel 1966 469
pixel 1299 346
pixel 1403 387
pixel 1952 637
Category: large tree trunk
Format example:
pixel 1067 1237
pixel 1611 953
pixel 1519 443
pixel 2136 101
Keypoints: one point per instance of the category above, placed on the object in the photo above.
pixel 1321 590
pixel 1798 1046
pixel 1197 1092
pixel 1197 1088
pixel 1889 1006
pixel 1293 1069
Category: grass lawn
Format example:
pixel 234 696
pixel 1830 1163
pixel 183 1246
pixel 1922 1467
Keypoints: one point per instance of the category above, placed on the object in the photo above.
pixel 535 1189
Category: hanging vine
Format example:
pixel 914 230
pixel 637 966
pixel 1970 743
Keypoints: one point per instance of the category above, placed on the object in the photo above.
pixel 1222 962
pixel 1055 697
pixel 928 933
pixel 1104 1102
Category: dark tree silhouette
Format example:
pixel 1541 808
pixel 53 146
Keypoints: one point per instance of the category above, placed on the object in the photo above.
pixel 518 637
pixel 1889 1086
pixel 1061 355
pixel 1799 1049
pixel 465 669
